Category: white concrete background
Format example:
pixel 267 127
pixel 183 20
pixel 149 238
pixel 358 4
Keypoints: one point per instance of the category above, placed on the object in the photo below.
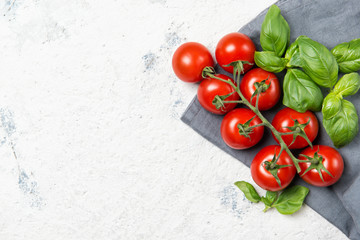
pixel 91 142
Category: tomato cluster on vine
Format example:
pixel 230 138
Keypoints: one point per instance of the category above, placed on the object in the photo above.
pixel 274 167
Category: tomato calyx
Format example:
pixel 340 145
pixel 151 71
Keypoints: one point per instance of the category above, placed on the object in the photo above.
pixel 261 87
pixel 298 130
pixel 316 163
pixel 272 167
pixel 238 67
pixel 208 72
pixel 245 129
pixel 219 103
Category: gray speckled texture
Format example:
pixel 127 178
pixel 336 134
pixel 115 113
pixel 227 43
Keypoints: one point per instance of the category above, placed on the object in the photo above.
pixel 330 23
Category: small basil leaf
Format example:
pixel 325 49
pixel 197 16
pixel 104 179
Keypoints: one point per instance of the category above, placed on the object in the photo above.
pixel 275 32
pixel 331 105
pixel 291 199
pixel 317 62
pixel 266 201
pixel 348 85
pixel 271 196
pixel 249 191
pixel 269 61
pixel 293 55
pixel 294 47
pixel 300 92
pixel 344 126
pixel 348 56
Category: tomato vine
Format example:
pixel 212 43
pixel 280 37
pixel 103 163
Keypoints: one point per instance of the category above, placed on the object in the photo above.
pixel 210 72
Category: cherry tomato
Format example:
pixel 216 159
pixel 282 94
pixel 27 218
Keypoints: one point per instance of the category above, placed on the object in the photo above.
pixel 233 47
pixel 331 161
pixel 263 177
pixel 211 87
pixel 270 96
pixel 285 118
pixel 230 131
pixel 189 60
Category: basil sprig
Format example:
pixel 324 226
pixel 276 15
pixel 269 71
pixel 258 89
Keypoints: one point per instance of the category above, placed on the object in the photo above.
pixel 287 202
pixel 317 62
pixel 269 61
pixel 275 32
pixel 347 55
pixel 340 118
pixel 300 92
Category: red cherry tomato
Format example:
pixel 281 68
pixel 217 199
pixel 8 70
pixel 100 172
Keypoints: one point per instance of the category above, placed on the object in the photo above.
pixel 285 118
pixel 189 60
pixel 230 131
pixel 267 99
pixel 263 177
pixel 331 161
pixel 211 87
pixel 233 47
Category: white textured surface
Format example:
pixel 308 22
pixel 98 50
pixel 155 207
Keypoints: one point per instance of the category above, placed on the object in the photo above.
pixel 91 142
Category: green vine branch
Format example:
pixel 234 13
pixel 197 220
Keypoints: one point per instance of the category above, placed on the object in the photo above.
pixel 210 72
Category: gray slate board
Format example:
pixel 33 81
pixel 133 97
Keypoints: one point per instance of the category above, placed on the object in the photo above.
pixel 329 22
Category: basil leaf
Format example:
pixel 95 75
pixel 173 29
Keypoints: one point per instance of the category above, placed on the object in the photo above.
pixel 347 56
pixel 275 32
pixel 293 55
pixel 291 199
pixel 344 126
pixel 348 85
pixel 300 92
pixel 269 61
pixel 317 62
pixel 266 201
pixel 249 191
pixel 331 105
pixel 271 196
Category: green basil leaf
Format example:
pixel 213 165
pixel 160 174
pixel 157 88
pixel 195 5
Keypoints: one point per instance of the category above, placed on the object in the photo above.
pixel 300 92
pixel 275 32
pixel 266 201
pixel 269 61
pixel 317 62
pixel 348 85
pixel 271 196
pixel 294 47
pixel 347 56
pixel 293 55
pixel 344 126
pixel 249 191
pixel 331 105
pixel 291 199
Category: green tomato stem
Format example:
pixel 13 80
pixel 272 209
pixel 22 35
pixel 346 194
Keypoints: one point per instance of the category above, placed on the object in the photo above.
pixel 233 101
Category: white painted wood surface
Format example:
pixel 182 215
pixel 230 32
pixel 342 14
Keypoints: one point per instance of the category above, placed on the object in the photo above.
pixel 91 142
